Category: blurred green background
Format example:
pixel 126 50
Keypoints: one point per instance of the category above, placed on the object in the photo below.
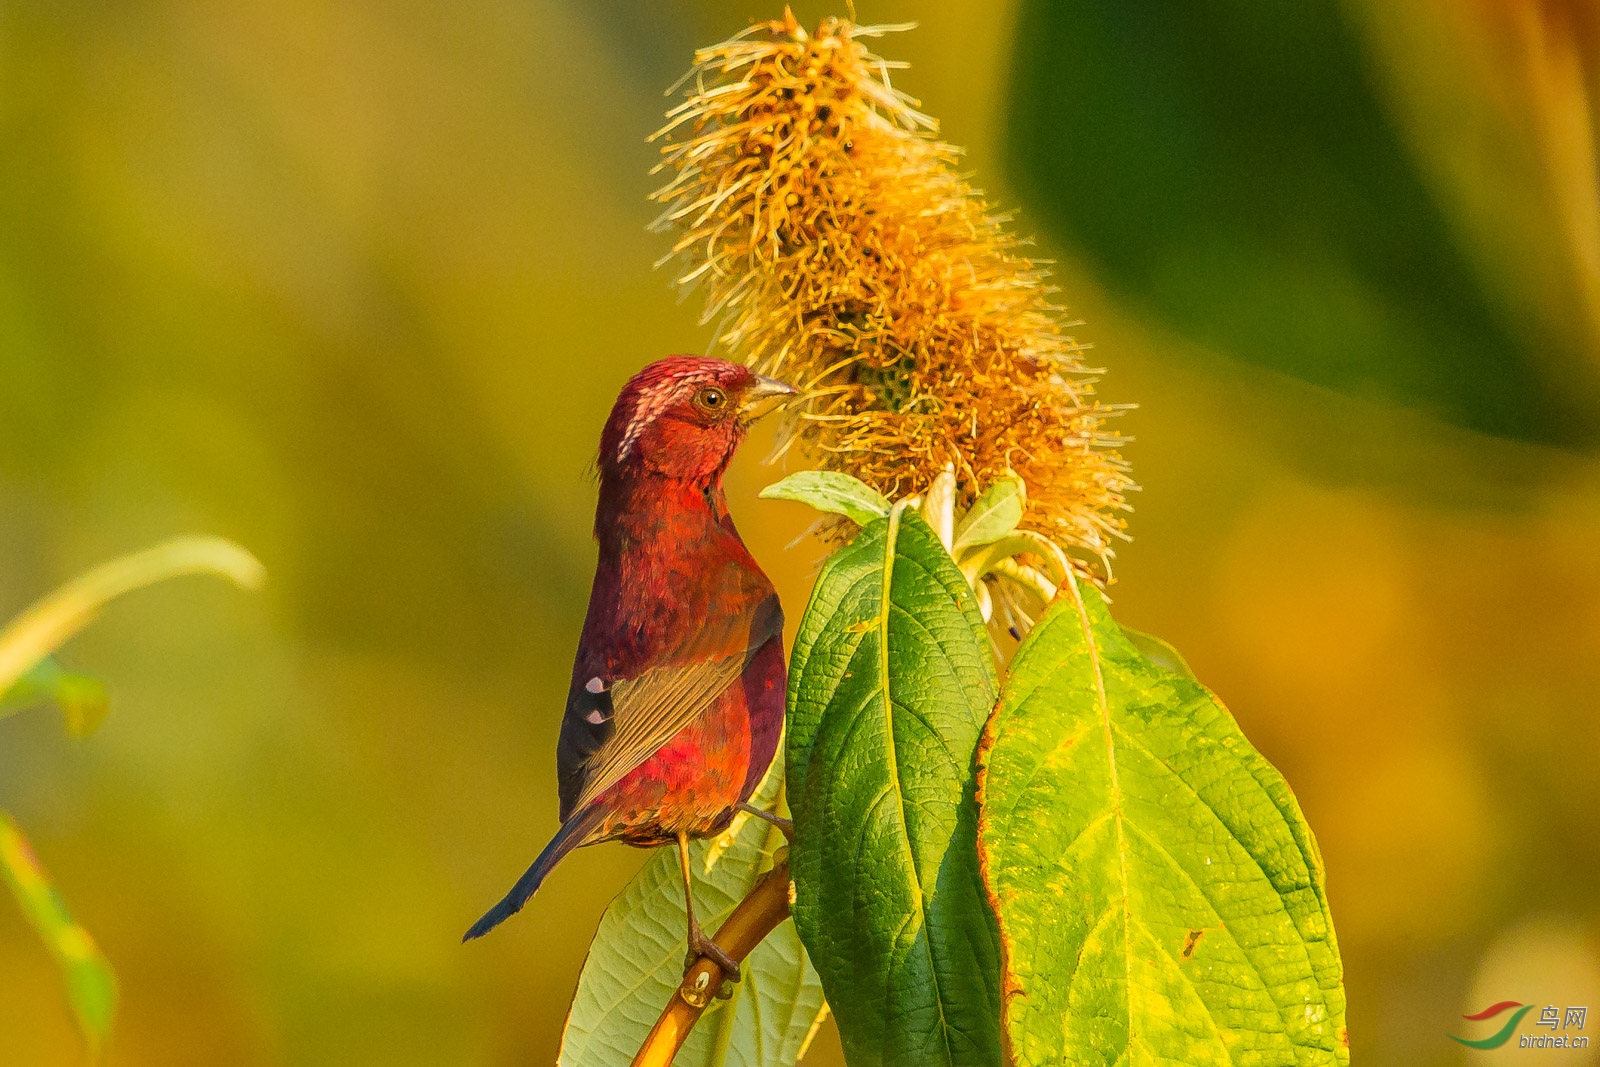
pixel 354 284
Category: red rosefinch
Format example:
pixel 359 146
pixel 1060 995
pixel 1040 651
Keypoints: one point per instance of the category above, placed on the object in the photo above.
pixel 677 695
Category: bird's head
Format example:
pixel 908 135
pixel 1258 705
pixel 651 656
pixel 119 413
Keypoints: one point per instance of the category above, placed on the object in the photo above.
pixel 683 416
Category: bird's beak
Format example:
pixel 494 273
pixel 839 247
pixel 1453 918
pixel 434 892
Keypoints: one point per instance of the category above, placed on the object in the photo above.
pixel 763 396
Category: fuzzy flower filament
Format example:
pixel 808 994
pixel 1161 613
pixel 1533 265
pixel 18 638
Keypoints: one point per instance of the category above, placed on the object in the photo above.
pixel 838 247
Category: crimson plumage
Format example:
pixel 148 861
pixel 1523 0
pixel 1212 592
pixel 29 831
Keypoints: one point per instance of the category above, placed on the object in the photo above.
pixel 677 695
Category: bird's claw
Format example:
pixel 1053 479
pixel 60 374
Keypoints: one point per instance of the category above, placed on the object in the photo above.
pixel 785 826
pixel 703 947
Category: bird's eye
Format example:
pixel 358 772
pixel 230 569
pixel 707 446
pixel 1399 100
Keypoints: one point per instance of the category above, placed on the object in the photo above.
pixel 711 399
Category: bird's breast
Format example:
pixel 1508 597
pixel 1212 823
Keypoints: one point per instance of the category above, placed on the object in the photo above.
pixel 695 595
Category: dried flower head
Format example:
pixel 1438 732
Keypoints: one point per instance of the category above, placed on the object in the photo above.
pixel 839 248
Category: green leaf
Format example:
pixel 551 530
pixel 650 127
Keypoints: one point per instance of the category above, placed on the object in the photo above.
pixel 636 962
pixel 993 515
pixel 1235 169
pixel 91 984
pixel 830 491
pixel 1158 652
pixel 1160 895
pixel 890 682
pixel 82 699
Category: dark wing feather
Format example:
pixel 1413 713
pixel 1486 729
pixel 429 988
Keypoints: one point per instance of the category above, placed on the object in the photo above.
pixel 649 711
pixel 606 734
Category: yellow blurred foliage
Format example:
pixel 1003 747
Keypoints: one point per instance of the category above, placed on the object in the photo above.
pixel 355 286
pixel 1545 961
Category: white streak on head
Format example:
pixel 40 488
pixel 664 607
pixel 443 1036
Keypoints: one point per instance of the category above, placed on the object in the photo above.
pixel 596 685
pixel 651 403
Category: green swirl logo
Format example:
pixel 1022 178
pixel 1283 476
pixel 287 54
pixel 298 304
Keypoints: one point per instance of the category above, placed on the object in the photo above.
pixel 1501 1036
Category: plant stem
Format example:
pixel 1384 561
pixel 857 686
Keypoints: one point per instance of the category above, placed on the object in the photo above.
pixel 757 915
pixel 42 628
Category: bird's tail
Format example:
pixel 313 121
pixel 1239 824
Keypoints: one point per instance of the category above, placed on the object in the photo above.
pixel 574 832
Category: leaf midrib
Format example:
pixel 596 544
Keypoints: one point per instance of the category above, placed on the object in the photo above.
pixel 1103 705
pixel 1116 795
pixel 891 547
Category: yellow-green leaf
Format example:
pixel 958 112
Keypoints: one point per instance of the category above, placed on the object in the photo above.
pixel 1159 652
pixel 830 491
pixel 82 699
pixel 42 628
pixel 636 962
pixel 994 514
pixel 1160 896
pixel 91 984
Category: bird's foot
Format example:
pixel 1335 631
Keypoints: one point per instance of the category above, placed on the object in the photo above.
pixel 785 826
pixel 703 947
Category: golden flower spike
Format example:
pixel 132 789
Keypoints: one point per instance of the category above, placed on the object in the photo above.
pixel 838 248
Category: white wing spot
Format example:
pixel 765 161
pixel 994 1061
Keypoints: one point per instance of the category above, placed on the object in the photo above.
pixel 596 717
pixel 596 685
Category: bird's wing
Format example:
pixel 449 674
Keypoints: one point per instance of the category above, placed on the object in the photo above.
pixel 648 711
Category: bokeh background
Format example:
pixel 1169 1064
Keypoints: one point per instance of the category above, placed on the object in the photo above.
pixel 354 283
